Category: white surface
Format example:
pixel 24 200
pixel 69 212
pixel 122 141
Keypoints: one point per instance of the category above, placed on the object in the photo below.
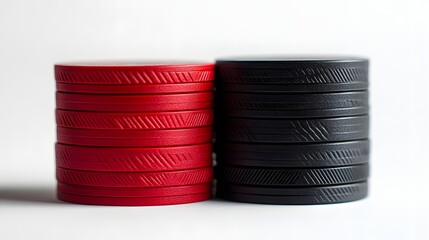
pixel 36 34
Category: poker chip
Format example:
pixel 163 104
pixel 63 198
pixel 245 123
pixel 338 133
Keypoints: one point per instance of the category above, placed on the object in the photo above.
pixel 135 179
pixel 134 103
pixel 133 192
pixel 296 196
pixel 128 73
pixel 294 105
pixel 326 197
pixel 125 159
pixel 343 189
pixel 292 74
pixel 135 88
pixel 294 130
pixel 292 176
pixel 134 121
pixel 134 134
pixel 295 155
pixel 134 201
pixel 134 138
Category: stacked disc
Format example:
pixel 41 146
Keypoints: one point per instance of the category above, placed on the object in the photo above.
pixel 292 130
pixel 134 134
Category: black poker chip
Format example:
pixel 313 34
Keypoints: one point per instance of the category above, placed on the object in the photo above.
pixel 349 189
pixel 325 195
pixel 292 74
pixel 275 177
pixel 252 130
pixel 294 155
pixel 294 105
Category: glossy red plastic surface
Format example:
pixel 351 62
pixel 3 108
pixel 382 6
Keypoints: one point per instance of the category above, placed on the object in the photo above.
pixel 134 201
pixel 133 159
pixel 134 103
pixel 136 88
pixel 133 192
pixel 133 73
pixel 134 138
pixel 134 121
pixel 135 179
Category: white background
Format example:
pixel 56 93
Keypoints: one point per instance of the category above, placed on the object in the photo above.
pixel 394 34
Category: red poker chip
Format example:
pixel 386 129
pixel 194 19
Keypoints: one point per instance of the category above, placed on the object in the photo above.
pixel 134 138
pixel 134 201
pixel 134 103
pixel 135 179
pixel 133 159
pixel 136 88
pixel 133 73
pixel 133 121
pixel 133 192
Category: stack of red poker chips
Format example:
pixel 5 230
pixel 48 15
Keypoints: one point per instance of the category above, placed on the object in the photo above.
pixel 134 134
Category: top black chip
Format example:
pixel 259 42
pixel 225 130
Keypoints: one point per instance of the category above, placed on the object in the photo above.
pixel 292 74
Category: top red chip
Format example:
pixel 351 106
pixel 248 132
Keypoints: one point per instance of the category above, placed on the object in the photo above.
pixel 133 73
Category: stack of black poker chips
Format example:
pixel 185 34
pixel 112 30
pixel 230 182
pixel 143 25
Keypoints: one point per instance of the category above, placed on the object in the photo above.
pixel 292 130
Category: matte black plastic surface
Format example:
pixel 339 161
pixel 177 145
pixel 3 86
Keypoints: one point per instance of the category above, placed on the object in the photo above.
pixel 325 198
pixel 292 74
pixel 292 131
pixel 292 176
pixel 294 155
pixel 295 191
pixel 294 105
